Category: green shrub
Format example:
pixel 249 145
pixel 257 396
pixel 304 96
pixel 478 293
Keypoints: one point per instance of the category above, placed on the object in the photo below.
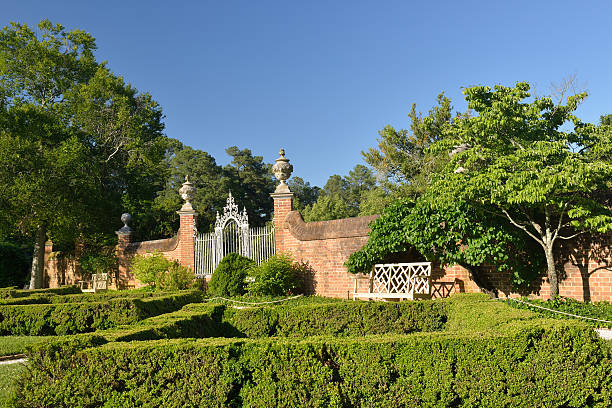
pixel 69 318
pixel 8 292
pixel 205 322
pixel 161 273
pixel 228 279
pixel 337 319
pixel 149 269
pixel 44 298
pixel 552 364
pixel 178 277
pixel 30 300
pixel 277 276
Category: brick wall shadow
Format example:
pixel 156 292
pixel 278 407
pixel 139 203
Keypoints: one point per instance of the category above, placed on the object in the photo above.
pixel 308 277
pixel 589 254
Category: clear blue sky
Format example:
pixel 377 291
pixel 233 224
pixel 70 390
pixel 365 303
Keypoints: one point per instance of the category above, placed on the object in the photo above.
pixel 320 78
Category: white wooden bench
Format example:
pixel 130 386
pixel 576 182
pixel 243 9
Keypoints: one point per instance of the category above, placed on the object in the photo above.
pixel 397 281
pixel 97 283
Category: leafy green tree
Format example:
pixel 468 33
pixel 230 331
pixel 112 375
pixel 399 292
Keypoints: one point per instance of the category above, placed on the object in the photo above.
pixel 207 177
pixel 328 207
pixel 251 182
pixel 374 201
pixel 400 155
pixel 122 130
pixel 342 196
pixel 305 194
pixel 452 233
pixel 42 163
pixel 76 143
pixel 515 158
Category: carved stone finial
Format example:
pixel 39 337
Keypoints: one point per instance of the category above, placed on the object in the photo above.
pixel 187 192
pixel 282 171
pixel 125 219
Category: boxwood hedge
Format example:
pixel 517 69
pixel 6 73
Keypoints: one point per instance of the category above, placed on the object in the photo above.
pixel 68 318
pixel 545 364
pixel 336 319
pixel 14 292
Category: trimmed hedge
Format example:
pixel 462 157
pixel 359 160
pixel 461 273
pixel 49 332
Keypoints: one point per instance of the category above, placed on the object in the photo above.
pixel 46 298
pixel 69 318
pixel 339 319
pixel 336 319
pixel 546 364
pixel 13 292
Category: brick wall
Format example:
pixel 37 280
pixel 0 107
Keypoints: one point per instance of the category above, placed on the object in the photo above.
pixel 179 248
pixel 586 266
pixel 65 270
pixel 326 245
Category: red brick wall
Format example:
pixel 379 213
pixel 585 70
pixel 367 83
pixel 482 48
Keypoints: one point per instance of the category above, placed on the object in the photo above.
pixel 180 248
pixel 586 273
pixel 64 271
pixel 325 246
pixel 326 253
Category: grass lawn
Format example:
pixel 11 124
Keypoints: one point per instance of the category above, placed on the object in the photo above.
pixel 8 373
pixel 10 345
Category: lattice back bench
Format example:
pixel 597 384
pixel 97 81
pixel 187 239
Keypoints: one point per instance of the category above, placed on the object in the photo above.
pixel 397 281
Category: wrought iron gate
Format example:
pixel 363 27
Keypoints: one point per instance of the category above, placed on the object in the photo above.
pixel 232 235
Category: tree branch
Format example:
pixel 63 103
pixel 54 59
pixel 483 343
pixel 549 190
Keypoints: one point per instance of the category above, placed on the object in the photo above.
pixel 571 236
pixel 114 153
pixel 559 224
pixel 538 240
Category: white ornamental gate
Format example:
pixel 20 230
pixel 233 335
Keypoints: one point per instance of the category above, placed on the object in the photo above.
pixel 232 235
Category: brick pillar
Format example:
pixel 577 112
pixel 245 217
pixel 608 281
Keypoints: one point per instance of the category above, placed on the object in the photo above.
pixel 124 279
pixel 283 202
pixel 186 245
pixel 283 205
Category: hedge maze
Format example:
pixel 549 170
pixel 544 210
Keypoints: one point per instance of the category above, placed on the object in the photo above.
pixel 174 350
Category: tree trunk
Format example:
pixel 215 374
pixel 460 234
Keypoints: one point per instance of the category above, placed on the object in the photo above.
pixel 38 259
pixel 552 272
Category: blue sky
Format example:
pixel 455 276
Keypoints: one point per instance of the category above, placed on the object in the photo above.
pixel 320 78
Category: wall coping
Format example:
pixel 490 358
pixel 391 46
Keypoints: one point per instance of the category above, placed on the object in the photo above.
pixel 160 245
pixel 312 231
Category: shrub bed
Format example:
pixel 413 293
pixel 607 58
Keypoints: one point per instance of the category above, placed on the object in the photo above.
pixel 68 318
pixel 552 364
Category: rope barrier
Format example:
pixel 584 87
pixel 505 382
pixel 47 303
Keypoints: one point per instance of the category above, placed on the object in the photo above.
pixel 558 311
pixel 252 303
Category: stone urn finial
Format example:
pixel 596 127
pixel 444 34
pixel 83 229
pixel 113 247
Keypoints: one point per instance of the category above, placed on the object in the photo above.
pixel 187 192
pixel 282 171
pixel 125 219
